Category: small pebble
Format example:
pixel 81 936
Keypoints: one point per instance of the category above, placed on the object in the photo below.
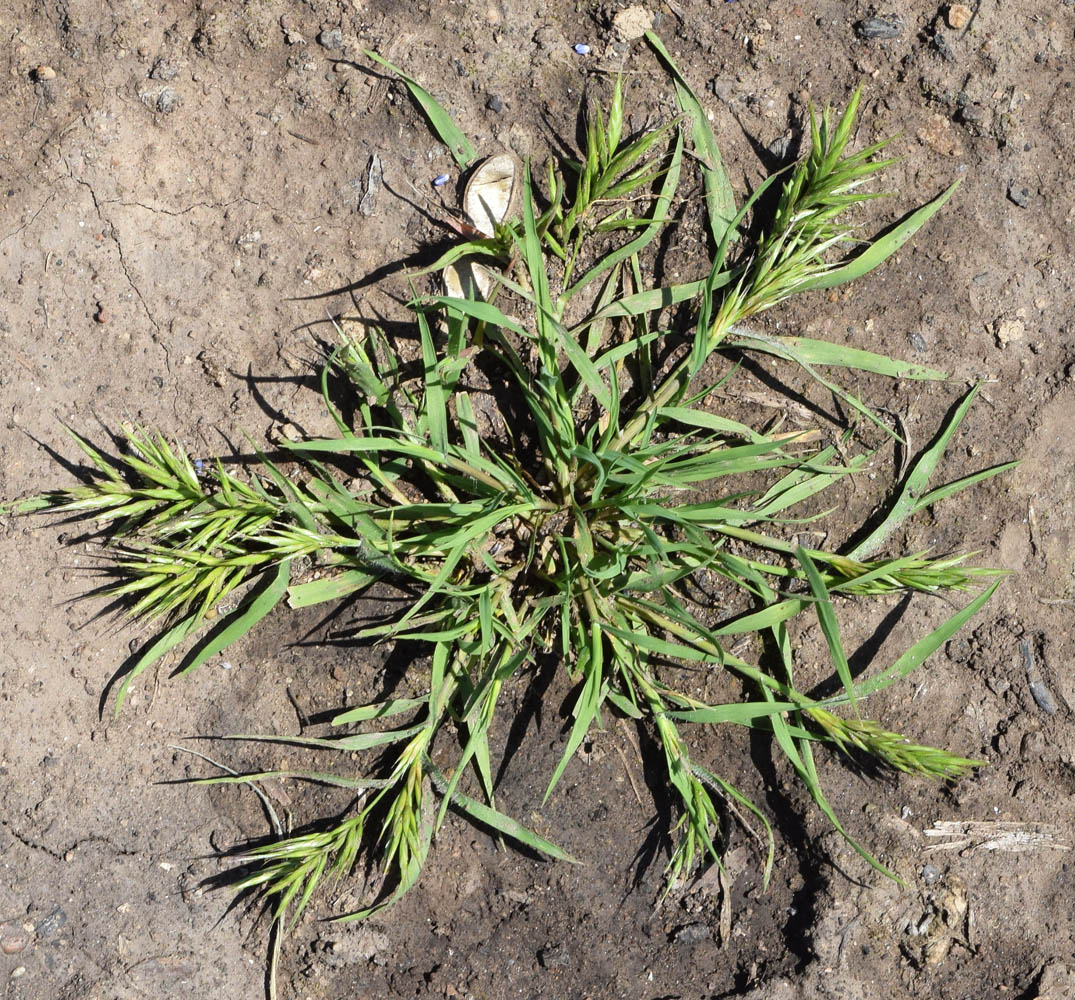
pixel 918 342
pixel 44 73
pixel 167 101
pixel 959 650
pixel 14 944
pixel 1008 331
pixel 690 933
pixel 930 874
pixel 958 15
pixel 546 37
pixel 1018 195
pixel 998 685
pixel 163 71
pixel 1032 744
pixel 873 28
pixel 495 104
pixel 102 315
pixel 582 48
pixel 1043 697
pixel 940 135
pixel 331 39
pixel 554 957
pixel 632 23
pixel 944 50
pixel 440 180
pixel 18 972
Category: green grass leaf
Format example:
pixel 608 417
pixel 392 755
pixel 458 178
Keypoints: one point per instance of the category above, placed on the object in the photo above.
pixel 647 301
pixel 163 645
pixel 448 132
pixel 262 600
pixel 880 249
pixel 378 710
pixel 926 646
pixel 640 242
pixel 830 628
pixel 913 496
pixel 330 588
pixel 719 196
pixel 807 351
pixel 503 824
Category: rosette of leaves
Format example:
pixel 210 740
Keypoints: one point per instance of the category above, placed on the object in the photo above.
pixel 580 530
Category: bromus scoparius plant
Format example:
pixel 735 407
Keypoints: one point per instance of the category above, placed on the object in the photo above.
pixel 579 529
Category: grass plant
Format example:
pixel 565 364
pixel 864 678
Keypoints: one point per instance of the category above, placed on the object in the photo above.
pixel 583 529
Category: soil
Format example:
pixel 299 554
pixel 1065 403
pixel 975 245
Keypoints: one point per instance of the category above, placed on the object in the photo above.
pixel 181 200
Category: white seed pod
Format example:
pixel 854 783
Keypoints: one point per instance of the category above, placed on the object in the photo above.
pixel 467 279
pixel 492 191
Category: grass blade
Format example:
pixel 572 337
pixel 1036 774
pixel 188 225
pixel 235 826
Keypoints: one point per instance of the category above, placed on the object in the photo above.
pixel 660 213
pixel 830 628
pixel 378 710
pixel 650 300
pixel 719 196
pixel 883 247
pixel 333 588
pixel 164 644
pixel 925 647
pixel 496 820
pixel 911 497
pixel 448 132
pixel 823 352
pixel 256 607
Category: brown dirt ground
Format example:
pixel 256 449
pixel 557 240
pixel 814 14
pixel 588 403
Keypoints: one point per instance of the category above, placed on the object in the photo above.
pixel 191 169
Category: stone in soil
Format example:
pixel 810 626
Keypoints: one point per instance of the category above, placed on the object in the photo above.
pixel 163 71
pixel 958 15
pixel 1018 195
pixel 632 22
pixel 14 939
pixel 1008 331
pixel 554 957
pixel 939 134
pixel 879 28
pixel 167 101
pixel 331 39
pixel 691 933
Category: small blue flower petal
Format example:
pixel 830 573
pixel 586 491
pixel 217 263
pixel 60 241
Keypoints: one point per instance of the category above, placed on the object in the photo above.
pixel 582 49
pixel 440 180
